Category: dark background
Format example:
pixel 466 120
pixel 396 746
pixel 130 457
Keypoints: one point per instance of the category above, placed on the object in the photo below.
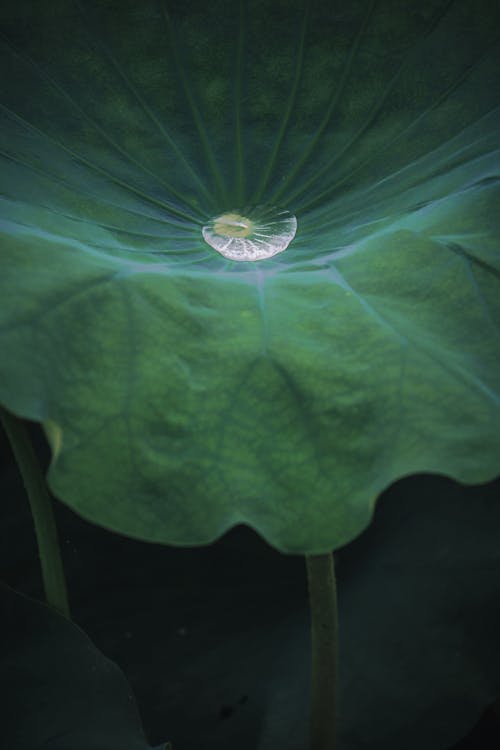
pixel 215 643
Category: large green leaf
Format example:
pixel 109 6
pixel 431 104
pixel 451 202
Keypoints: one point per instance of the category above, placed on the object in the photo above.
pixel 183 392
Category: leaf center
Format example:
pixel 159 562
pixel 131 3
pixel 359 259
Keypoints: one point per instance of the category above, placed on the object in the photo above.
pixel 252 233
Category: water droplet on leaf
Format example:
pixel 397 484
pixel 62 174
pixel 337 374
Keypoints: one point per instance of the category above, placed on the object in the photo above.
pixel 251 233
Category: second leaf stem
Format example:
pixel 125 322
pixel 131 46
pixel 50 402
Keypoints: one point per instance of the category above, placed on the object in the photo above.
pixel 40 501
pixel 324 646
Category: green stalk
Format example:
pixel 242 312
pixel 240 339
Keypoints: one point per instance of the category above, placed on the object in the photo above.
pixel 324 638
pixel 54 582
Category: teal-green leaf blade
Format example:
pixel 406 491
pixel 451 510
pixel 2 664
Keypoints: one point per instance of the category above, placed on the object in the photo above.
pixel 186 393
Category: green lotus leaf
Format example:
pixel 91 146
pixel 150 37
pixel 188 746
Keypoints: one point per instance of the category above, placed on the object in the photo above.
pixel 185 392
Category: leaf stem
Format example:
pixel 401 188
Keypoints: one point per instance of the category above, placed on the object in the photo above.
pixel 324 642
pixel 54 582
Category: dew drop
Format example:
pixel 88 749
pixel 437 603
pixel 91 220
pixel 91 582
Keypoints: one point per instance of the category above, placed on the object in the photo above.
pixel 251 233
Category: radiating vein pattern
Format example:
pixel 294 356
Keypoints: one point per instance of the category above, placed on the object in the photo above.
pixel 351 152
